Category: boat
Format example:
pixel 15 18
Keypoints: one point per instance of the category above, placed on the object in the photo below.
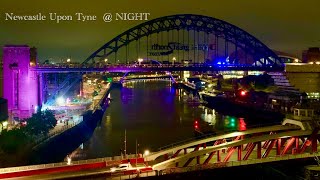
pixel 237 108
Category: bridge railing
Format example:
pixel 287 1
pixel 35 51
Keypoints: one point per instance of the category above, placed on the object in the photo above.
pixel 179 143
pixel 236 163
pixel 56 132
pixel 138 66
pixel 110 161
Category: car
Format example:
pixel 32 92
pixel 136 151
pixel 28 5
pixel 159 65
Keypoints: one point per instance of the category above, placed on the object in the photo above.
pixel 121 167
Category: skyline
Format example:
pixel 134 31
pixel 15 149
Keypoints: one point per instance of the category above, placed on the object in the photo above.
pixel 283 26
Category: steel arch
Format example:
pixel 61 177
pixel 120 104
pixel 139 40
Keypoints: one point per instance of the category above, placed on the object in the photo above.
pixel 231 33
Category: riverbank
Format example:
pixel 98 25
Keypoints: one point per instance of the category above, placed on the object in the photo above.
pixel 228 106
pixel 55 148
pixel 225 105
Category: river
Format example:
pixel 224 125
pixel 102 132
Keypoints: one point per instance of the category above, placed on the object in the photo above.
pixel 153 114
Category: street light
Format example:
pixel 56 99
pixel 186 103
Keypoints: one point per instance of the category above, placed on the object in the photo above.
pixel 68 160
pixel 60 101
pixel 140 61
pixel 146 152
pixel 173 59
pixel 105 60
pixel 68 60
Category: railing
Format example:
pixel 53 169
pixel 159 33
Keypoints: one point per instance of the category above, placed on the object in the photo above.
pixel 105 91
pixel 237 163
pixel 214 166
pixel 56 132
pixel 110 161
pixel 146 65
pixel 179 143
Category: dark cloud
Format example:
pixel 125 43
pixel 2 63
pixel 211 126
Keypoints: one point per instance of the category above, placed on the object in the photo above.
pixel 286 25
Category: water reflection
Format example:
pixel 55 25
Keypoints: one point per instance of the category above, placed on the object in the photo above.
pixel 218 123
pixel 156 115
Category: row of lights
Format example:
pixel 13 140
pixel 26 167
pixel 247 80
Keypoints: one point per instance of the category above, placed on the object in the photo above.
pixel 318 62
pixel 139 60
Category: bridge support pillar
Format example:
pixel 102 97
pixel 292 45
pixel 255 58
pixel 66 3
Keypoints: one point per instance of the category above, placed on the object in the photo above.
pixel 239 152
pixel 279 143
pixel 198 159
pixel 218 156
pixel 314 145
pixel 258 150
pixel 297 146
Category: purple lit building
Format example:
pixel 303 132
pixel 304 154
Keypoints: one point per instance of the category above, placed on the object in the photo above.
pixel 20 84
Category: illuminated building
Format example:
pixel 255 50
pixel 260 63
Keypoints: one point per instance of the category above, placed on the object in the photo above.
pixel 20 84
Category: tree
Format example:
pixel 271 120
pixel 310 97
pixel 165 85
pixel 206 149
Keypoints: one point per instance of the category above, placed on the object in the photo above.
pixel 41 123
pixel 13 140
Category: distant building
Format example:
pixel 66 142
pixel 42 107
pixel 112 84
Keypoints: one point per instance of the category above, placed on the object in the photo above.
pixel 33 56
pixel 312 55
pixel 287 58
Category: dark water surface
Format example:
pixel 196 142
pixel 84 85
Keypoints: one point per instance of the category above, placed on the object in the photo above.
pixel 155 115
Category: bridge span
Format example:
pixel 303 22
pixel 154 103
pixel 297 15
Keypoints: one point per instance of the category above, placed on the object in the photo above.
pixel 129 68
pixel 257 145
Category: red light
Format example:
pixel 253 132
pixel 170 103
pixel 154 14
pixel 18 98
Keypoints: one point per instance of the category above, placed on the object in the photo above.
pixel 196 126
pixel 243 93
pixel 243 125
pixel 196 122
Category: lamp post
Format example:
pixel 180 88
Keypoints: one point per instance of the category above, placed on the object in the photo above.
pixel 136 152
pixel 173 59
pixel 125 143
pixel 140 61
pixel 68 160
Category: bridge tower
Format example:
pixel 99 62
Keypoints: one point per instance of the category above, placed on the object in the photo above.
pixel 20 83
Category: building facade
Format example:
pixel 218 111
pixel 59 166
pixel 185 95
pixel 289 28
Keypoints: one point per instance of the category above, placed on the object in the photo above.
pixel 312 55
pixel 20 84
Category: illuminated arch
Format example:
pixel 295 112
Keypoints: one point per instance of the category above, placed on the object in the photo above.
pixel 210 25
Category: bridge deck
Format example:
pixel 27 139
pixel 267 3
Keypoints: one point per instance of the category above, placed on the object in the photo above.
pixel 163 165
pixel 176 147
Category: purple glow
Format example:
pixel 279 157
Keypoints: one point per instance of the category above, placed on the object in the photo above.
pixel 20 84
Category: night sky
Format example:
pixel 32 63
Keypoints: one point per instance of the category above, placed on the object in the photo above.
pixel 286 25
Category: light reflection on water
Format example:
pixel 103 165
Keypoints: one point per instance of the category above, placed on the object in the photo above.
pixel 155 114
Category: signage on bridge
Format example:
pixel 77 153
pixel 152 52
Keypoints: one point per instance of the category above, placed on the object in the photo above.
pixel 163 50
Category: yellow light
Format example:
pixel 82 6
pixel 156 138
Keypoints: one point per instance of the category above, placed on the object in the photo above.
pixel 68 60
pixel 146 152
pixel 105 60
pixel 318 62
pixel 5 124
